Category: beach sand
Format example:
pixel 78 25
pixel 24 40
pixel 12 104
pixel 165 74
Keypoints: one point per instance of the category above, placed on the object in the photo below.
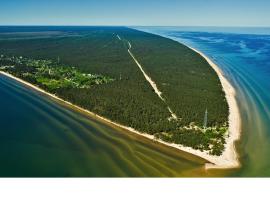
pixel 229 158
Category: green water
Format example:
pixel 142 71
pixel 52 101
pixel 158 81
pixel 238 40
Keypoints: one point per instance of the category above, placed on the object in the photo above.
pixel 41 138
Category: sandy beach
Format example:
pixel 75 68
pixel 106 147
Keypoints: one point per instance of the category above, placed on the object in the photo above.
pixel 229 158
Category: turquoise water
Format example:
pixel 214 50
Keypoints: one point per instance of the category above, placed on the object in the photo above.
pixel 243 54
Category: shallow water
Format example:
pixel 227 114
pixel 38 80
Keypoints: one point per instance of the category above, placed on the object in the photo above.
pixel 41 137
pixel 244 57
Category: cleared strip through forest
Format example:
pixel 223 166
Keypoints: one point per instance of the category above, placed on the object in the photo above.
pixel 148 78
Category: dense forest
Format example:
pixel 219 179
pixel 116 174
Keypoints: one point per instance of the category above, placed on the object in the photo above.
pixel 187 81
pixel 189 85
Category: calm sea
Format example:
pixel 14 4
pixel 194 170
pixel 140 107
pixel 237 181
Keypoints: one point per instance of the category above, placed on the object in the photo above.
pixel 39 137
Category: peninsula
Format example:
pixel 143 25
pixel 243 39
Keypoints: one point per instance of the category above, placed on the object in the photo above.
pixel 147 84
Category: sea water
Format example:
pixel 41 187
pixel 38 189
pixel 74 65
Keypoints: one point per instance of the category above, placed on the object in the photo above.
pixel 39 137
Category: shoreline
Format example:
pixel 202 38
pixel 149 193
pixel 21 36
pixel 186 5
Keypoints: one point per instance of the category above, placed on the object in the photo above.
pixel 228 159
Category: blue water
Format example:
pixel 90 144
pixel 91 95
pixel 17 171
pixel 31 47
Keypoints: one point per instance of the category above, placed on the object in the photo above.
pixel 243 54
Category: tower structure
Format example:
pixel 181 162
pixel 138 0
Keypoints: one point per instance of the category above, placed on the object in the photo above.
pixel 205 119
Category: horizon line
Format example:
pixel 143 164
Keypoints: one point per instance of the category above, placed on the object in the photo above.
pixel 104 25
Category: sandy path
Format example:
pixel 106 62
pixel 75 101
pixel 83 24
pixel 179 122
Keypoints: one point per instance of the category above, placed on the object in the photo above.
pixel 152 83
pixel 119 38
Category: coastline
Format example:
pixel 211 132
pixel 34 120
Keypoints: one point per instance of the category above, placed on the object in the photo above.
pixel 229 158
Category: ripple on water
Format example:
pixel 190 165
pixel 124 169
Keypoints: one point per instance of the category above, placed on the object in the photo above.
pixel 53 140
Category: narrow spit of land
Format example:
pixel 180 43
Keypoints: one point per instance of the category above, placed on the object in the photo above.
pixel 131 101
pixel 229 158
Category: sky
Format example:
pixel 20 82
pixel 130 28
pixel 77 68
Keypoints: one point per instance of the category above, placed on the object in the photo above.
pixel 136 12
